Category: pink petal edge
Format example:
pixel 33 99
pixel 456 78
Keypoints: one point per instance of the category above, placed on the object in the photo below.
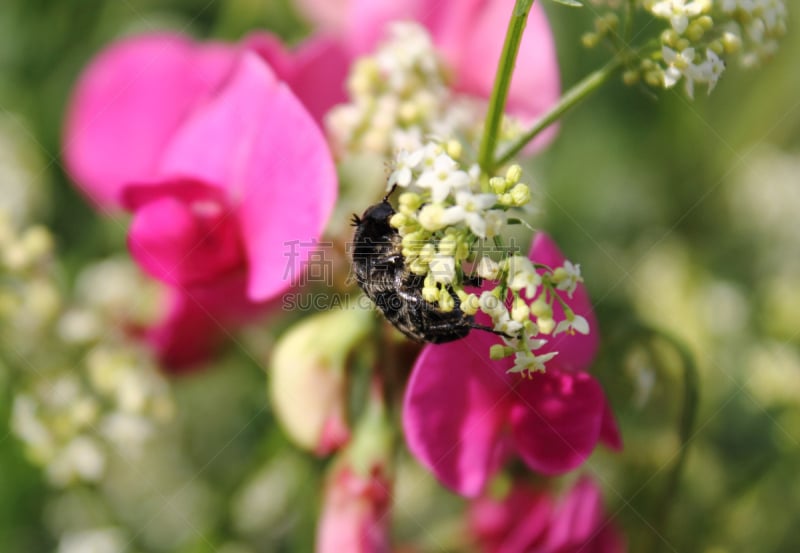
pixel 129 101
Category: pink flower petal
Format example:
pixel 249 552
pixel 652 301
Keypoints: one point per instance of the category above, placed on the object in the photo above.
pixel 453 414
pixel 368 20
pixel 183 234
pixel 257 141
pixel 514 524
pixel 556 420
pixel 315 71
pixel 199 320
pixel 578 517
pixel 127 104
pixel 575 351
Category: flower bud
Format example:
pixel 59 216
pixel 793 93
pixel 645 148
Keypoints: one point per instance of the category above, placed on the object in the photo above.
pixel 454 149
pixel 357 494
pixel 545 325
pixel 499 351
pixel 513 174
pixel 470 304
pixel 590 40
pixel 410 201
pixel 498 185
pixel 446 301
pixel 631 77
pixel 541 308
pixel 520 312
pixel 520 194
pixel 430 293
pixel 307 384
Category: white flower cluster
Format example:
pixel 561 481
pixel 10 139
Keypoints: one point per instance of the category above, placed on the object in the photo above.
pixel 400 95
pixel 700 36
pixel 702 32
pixel 68 417
pixel 69 424
pixel 757 23
pixel 443 217
pixel 680 65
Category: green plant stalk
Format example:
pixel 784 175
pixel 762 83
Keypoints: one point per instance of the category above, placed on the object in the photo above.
pixel 654 536
pixel 686 424
pixel 570 99
pixel 502 82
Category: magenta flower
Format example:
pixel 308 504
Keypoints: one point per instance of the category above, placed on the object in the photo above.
pixel 529 520
pixel 468 33
pixel 221 166
pixel 464 414
pixel 135 95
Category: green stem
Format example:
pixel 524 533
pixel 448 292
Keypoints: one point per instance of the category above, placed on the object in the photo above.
pixel 502 82
pixel 686 424
pixel 570 99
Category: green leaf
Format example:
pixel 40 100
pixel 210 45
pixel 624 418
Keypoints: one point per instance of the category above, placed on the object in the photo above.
pixel 570 3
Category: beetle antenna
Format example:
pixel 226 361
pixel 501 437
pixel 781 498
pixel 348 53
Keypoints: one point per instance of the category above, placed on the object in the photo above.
pixel 389 193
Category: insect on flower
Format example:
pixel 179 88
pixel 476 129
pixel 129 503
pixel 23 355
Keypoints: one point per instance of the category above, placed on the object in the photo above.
pixel 381 272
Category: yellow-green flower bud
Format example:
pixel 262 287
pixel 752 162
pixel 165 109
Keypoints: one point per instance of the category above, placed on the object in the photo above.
pixel 498 185
pixel 462 249
pixel 415 241
pixel 590 40
pixel 541 308
pixel 520 311
pixel 513 174
pixel 398 220
pixel 695 32
pixel 654 78
pixel 520 195
pixel 498 351
pixel 454 149
pixel 448 245
pixel 446 301
pixel 430 293
pixel 611 20
pixel 559 275
pixel 418 267
pixel 631 77
pixel 470 304
pixel 717 47
pixel 546 326
pixel 706 22
pixel 427 252
pixel 682 44
pixel 670 37
pixel 410 200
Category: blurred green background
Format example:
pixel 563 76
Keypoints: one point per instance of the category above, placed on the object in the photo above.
pixel 683 214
